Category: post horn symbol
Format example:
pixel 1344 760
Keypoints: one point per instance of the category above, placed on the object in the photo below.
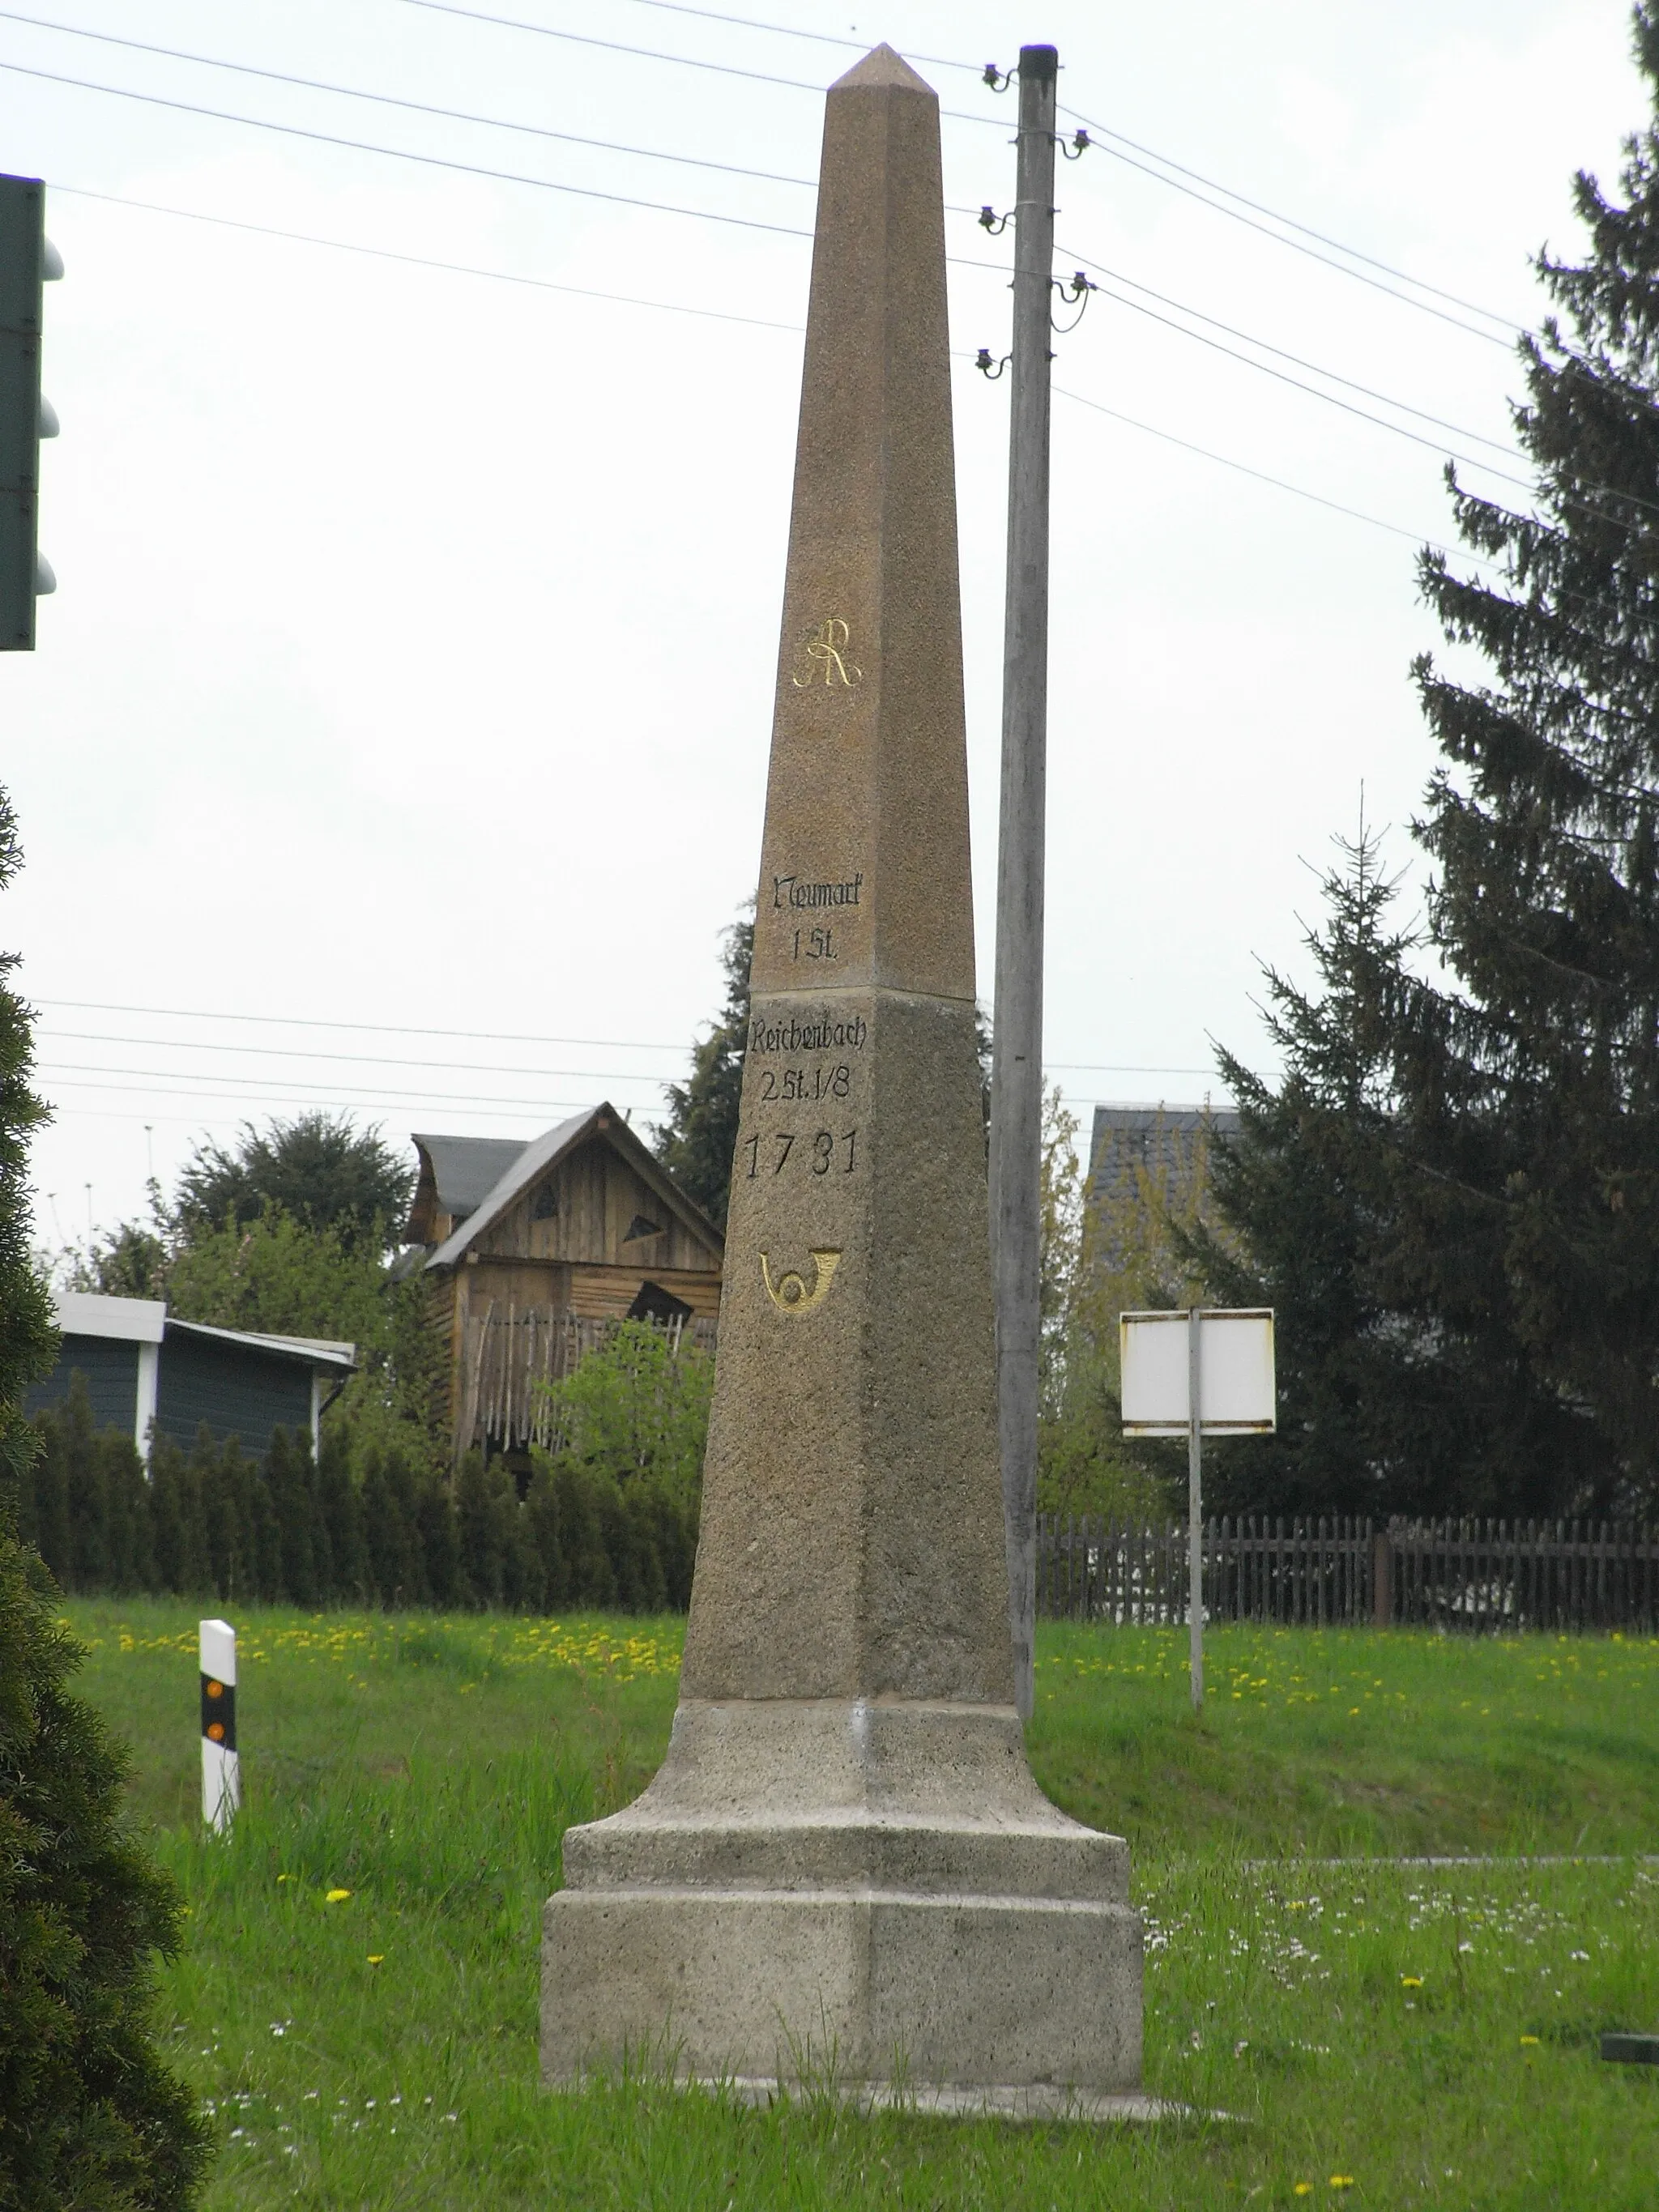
pixel 790 1295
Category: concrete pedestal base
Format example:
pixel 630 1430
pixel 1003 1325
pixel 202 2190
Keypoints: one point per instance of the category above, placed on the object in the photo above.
pixel 857 1895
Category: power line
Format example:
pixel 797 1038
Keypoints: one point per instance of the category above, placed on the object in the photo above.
pixel 1354 513
pixel 402 154
pixel 378 1029
pixel 790 30
pixel 687 61
pixel 441 161
pixel 424 261
pixel 506 276
pixel 746 222
pixel 500 275
pixel 1398 430
pixel 1295 245
pixel 1330 399
pixel 648 153
pixel 612 46
pixel 644 153
pixel 412 106
pixel 1114 1068
pixel 1106 134
pixel 488 1067
pixel 654 54
pixel 355 1093
pixel 533 1111
pixel 1454 299
pixel 425 107
pixel 362 1059
pixel 1476 437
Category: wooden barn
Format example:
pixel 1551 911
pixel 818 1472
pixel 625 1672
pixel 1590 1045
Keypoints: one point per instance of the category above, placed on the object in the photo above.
pixel 534 1251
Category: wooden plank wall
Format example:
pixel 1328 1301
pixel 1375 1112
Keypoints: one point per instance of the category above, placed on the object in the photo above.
pixel 508 1355
pixel 598 1198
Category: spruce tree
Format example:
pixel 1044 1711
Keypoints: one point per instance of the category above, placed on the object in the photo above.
pixel 341 1507
pixel 1383 1409
pixel 89 2113
pixel 698 1139
pixel 1528 1089
pixel 294 1505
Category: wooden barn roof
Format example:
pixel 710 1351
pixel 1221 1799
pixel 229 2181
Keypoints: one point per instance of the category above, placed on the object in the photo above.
pixel 546 1151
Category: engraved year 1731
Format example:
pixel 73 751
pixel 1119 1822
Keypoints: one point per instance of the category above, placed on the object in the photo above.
pixel 807 1084
pixel 826 1151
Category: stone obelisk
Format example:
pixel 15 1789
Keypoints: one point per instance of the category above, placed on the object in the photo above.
pixel 844 1865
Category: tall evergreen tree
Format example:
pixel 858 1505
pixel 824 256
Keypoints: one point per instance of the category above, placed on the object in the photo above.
pixel 697 1140
pixel 1530 1087
pixel 1384 1407
pixel 89 2114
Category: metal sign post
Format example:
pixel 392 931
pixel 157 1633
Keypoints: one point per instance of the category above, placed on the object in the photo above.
pixel 1195 1506
pixel 1214 1375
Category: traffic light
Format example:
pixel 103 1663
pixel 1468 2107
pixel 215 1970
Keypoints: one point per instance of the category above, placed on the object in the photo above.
pixel 28 260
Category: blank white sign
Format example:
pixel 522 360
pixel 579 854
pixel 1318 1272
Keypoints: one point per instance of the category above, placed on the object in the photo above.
pixel 1235 1372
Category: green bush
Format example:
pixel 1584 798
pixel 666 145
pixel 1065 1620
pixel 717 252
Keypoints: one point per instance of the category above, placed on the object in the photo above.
pixel 89 2116
pixel 89 2113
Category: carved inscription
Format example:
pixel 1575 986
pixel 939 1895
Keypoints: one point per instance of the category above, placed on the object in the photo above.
pixel 817 1033
pixel 826 1151
pixel 806 895
pixel 808 1084
pixel 822 656
pixel 797 892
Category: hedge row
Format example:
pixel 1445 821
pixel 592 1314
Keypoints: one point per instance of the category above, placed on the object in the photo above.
pixel 217 1524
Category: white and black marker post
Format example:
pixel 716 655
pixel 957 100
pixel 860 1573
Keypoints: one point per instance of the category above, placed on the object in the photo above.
pixel 221 1773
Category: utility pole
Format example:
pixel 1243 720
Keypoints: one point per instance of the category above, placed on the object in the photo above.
pixel 1017 1038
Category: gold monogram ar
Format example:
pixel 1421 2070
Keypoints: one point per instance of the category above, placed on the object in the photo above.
pixel 790 1295
pixel 824 658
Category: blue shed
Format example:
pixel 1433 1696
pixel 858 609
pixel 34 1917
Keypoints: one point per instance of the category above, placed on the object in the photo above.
pixel 157 1376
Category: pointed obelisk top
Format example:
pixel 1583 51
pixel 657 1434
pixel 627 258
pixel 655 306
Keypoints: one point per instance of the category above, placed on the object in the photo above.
pixel 880 71
pixel 868 785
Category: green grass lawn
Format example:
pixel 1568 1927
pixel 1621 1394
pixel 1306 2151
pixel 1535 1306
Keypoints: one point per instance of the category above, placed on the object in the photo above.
pixel 1391 2035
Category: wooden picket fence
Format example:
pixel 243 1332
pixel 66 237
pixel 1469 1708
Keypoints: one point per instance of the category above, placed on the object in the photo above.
pixel 1471 1576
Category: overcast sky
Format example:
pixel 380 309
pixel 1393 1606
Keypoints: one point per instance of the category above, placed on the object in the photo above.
pixel 410 667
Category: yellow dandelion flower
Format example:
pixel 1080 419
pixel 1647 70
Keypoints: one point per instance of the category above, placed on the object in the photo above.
pixel 1302 2189
pixel 1411 1981
pixel 1342 2181
pixel 1528 2040
pixel 377 1958
pixel 337 1896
